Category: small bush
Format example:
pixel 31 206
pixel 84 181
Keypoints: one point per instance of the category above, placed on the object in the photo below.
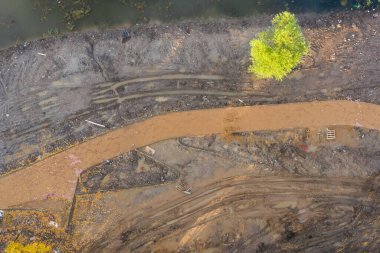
pixel 36 247
pixel 279 49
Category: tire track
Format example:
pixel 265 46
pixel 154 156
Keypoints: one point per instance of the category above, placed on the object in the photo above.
pixel 105 87
pixel 102 100
pixel 261 193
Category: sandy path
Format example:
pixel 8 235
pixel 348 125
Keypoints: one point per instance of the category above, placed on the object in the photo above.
pixel 57 175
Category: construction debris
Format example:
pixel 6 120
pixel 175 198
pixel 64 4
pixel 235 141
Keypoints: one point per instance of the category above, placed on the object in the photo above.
pixel 330 134
pixel 150 150
pixel 96 124
pixel 184 188
pixel 53 224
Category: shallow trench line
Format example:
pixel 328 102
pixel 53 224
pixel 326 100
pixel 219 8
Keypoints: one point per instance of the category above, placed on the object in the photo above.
pixel 56 176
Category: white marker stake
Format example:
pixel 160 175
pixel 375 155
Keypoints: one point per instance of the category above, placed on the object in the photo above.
pixel 96 124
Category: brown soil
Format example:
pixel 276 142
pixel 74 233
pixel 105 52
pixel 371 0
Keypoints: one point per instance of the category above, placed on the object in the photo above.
pixel 262 192
pixel 44 101
pixel 56 176
pixel 192 65
pixel 237 206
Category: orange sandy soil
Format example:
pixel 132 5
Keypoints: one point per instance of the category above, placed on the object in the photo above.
pixel 56 176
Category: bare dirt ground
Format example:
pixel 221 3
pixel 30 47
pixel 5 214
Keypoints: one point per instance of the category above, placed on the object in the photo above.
pixel 288 191
pixel 259 192
pixel 56 176
pixel 44 100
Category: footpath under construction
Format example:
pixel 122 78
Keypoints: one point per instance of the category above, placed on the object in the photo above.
pixel 56 176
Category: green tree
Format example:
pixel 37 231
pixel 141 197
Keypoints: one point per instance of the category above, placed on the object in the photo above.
pixel 279 49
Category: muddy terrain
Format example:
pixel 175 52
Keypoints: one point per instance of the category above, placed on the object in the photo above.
pixel 215 187
pixel 287 191
pixel 45 99
pixel 56 176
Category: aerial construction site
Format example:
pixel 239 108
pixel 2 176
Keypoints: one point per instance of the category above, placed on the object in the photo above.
pixel 163 141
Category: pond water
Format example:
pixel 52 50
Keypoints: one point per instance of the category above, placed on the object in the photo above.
pixel 21 20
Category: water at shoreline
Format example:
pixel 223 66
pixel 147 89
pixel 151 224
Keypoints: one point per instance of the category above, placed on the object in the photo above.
pixel 21 20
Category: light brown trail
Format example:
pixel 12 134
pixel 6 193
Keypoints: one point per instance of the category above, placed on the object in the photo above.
pixel 56 176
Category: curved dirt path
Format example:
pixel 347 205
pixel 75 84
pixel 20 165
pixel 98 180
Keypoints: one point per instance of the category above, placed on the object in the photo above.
pixel 56 176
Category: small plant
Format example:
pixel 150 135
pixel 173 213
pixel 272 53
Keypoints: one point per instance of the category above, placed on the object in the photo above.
pixel 36 247
pixel 73 10
pixel 52 32
pixel 365 4
pixel 279 49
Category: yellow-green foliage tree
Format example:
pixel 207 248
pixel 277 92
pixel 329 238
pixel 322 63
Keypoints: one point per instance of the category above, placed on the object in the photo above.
pixel 36 247
pixel 279 49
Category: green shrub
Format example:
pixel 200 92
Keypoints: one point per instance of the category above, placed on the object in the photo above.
pixel 36 247
pixel 73 10
pixel 279 49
